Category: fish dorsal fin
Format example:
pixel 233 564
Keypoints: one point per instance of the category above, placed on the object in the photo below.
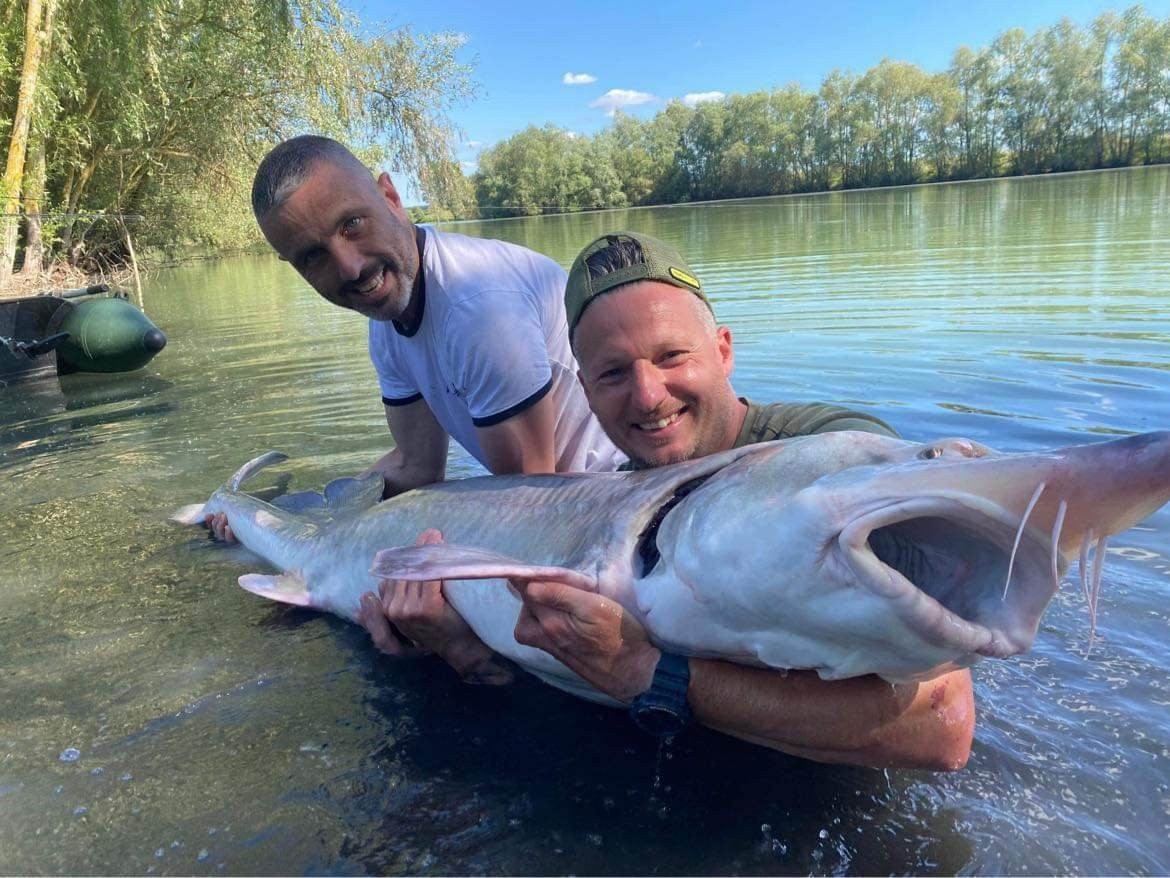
pixel 301 501
pixel 354 493
pixel 339 497
pixel 448 561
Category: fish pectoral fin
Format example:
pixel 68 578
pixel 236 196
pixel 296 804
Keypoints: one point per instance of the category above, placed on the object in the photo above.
pixel 448 561
pixel 288 588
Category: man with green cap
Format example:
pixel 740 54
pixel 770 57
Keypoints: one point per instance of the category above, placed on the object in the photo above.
pixel 655 368
pixel 658 365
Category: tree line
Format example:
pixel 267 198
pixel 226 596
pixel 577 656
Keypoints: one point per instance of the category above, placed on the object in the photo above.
pixel 1060 99
pixel 142 121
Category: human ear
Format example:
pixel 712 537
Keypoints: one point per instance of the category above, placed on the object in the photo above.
pixel 726 351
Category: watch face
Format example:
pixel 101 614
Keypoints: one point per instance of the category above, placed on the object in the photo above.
pixel 659 721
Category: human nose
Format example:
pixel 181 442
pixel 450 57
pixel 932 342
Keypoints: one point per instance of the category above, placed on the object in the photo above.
pixel 349 261
pixel 648 387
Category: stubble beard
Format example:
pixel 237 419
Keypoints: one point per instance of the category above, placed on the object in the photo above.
pixel 702 446
pixel 396 301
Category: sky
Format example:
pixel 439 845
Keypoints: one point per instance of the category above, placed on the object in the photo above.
pixel 572 63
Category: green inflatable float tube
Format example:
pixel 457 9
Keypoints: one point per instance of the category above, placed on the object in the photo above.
pixel 107 335
pixel 74 331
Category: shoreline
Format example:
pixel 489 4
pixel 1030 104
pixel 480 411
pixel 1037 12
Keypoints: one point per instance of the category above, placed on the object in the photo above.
pixel 57 278
pixel 818 192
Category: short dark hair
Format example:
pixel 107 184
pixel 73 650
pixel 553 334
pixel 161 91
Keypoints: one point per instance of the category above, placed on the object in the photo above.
pixel 288 164
pixel 619 252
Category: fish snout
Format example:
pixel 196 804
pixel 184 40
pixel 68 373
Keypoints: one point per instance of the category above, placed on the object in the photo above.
pixel 1109 486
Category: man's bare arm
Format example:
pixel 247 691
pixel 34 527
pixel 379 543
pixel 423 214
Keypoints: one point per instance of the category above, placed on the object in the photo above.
pixel 524 443
pixel 862 721
pixel 419 456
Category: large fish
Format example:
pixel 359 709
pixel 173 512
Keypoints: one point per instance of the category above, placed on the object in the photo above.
pixel 848 553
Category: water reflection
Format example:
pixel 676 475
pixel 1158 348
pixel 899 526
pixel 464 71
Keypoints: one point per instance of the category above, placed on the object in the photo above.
pixel 217 733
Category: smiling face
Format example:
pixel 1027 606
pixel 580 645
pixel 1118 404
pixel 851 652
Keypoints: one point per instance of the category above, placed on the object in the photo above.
pixel 350 238
pixel 656 374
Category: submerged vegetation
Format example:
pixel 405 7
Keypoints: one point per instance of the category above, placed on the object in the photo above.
pixel 1063 98
pixel 140 122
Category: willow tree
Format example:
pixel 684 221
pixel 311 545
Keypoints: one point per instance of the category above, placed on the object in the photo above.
pixel 156 112
pixel 38 17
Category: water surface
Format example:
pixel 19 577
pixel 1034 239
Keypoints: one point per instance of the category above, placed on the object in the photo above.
pixel 219 733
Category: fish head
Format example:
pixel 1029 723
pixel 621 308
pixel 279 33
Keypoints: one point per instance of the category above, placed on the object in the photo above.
pixel 949 542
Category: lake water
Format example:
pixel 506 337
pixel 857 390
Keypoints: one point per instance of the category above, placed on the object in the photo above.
pixel 216 733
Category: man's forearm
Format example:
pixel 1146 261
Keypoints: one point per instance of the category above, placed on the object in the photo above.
pixel 401 476
pixel 864 720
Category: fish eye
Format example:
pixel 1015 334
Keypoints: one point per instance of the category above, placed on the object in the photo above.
pixel 930 453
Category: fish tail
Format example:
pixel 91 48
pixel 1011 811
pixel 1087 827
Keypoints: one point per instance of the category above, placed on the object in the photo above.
pixel 191 514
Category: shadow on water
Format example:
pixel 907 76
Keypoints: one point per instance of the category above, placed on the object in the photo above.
pixel 71 413
pixel 529 777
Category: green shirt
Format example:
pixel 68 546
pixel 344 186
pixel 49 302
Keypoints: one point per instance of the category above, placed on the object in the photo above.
pixel 783 420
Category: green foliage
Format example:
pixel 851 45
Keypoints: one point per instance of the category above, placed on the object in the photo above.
pixel 1062 98
pixel 162 109
pixel 547 170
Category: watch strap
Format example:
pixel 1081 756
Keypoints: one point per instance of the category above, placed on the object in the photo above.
pixel 662 709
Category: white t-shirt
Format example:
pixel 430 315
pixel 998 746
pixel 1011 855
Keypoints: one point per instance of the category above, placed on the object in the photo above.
pixel 491 341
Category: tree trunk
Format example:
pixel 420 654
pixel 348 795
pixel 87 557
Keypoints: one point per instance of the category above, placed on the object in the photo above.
pixel 76 189
pixel 34 192
pixel 38 15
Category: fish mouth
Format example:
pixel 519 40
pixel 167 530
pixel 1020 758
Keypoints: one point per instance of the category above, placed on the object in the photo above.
pixel 964 575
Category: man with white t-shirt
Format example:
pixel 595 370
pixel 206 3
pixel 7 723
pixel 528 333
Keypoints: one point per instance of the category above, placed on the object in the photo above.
pixel 488 343
pixel 468 336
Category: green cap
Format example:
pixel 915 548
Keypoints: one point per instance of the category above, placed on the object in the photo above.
pixel 659 262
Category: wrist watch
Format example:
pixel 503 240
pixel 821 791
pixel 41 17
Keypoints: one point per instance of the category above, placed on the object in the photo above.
pixel 662 709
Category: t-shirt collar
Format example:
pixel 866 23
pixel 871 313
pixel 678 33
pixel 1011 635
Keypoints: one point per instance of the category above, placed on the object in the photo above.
pixel 420 239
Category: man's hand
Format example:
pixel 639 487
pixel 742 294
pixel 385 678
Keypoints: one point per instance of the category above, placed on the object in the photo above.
pixel 413 618
pixel 591 635
pixel 219 527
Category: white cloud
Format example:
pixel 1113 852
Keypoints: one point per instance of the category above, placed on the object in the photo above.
pixel 474 144
pixel 701 97
pixel 469 167
pixel 619 98
pixel 578 78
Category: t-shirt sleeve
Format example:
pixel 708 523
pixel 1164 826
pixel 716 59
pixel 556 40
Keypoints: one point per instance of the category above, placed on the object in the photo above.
pixel 504 367
pixel 397 389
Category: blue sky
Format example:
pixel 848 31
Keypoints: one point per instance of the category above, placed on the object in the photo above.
pixel 649 53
